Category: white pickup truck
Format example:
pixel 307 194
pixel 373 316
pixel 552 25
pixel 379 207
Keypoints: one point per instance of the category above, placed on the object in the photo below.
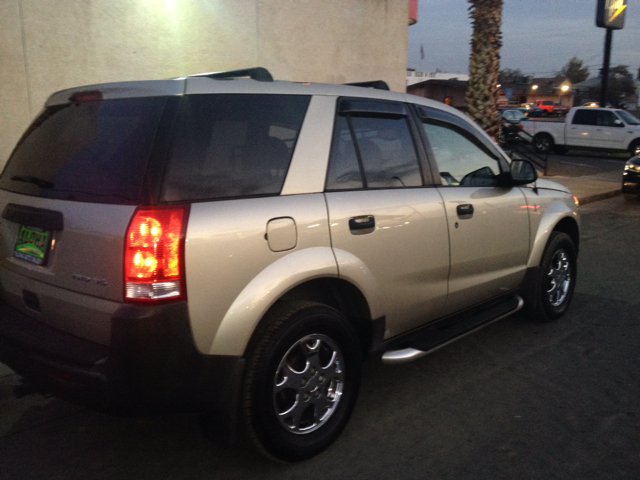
pixel 586 128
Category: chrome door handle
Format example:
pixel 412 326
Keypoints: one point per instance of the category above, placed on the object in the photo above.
pixel 362 223
pixel 464 210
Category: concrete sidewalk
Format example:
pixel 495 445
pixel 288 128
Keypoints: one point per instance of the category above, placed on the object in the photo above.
pixel 588 188
pixel 591 188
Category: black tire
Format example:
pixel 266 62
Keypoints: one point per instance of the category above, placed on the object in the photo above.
pixel 559 149
pixel 543 143
pixel 631 197
pixel 634 148
pixel 312 348
pixel 553 289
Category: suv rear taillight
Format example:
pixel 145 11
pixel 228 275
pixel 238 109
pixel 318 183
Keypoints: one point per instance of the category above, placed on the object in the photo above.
pixel 154 254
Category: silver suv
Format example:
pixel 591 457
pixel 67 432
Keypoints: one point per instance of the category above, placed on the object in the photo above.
pixel 238 246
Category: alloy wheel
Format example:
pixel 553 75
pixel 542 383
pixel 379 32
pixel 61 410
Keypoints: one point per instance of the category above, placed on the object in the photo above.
pixel 308 384
pixel 558 278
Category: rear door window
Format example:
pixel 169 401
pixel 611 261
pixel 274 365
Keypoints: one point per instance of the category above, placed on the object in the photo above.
pixel 585 117
pixel 373 148
pixel 95 151
pixel 232 145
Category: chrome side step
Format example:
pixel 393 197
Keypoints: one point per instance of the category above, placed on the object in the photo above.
pixel 406 355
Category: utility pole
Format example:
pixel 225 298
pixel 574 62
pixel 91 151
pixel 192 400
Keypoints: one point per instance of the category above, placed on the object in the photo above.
pixel 604 81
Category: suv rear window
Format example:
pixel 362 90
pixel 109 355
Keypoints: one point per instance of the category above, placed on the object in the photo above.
pixel 94 151
pixel 232 145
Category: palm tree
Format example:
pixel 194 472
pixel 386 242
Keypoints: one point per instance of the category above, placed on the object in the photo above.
pixel 484 64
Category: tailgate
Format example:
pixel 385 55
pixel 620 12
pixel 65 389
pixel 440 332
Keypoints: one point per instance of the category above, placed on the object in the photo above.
pixel 68 275
pixel 67 195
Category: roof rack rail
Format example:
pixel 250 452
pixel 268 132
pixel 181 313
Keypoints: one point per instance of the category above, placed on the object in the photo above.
pixel 257 73
pixel 377 84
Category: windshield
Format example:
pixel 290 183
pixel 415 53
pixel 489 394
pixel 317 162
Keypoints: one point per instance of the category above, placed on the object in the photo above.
pixel 94 151
pixel 628 118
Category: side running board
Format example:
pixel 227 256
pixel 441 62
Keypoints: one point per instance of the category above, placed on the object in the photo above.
pixel 445 332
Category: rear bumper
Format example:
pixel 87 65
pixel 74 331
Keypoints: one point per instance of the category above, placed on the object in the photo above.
pixel 151 365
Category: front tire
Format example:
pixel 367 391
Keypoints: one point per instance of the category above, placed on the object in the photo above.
pixel 302 381
pixel 634 148
pixel 553 289
pixel 631 197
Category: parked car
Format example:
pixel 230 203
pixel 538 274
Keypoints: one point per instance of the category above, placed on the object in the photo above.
pixel 511 127
pixel 531 109
pixel 631 179
pixel 549 107
pixel 587 128
pixel 597 104
pixel 559 109
pixel 238 246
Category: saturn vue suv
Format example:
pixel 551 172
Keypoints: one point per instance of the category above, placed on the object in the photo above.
pixel 237 246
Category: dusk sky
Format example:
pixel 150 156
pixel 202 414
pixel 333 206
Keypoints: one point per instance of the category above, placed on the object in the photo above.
pixel 538 36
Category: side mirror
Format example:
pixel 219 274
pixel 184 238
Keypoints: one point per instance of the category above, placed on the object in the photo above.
pixel 522 172
pixel 618 123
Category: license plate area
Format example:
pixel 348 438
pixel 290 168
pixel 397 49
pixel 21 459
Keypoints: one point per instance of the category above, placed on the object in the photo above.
pixel 33 245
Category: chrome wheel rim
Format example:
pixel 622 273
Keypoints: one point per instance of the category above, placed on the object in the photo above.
pixel 308 384
pixel 543 144
pixel 558 278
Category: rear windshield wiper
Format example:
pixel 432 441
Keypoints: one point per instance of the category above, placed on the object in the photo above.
pixel 35 180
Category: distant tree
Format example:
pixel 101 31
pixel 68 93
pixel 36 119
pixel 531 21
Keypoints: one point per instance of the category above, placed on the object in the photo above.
pixel 621 84
pixel 484 64
pixel 574 71
pixel 509 75
pixel 638 77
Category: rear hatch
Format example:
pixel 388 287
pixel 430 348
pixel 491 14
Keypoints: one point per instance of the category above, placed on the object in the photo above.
pixel 67 195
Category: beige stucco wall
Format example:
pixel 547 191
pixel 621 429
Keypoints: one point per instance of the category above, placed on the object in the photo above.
pixel 48 45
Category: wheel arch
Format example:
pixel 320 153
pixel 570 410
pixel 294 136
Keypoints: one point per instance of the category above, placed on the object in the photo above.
pixel 569 226
pixel 634 145
pixel 557 218
pixel 308 275
pixel 338 294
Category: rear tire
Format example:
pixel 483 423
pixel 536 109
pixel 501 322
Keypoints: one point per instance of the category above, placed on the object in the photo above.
pixel 559 149
pixel 301 382
pixel 543 143
pixel 553 289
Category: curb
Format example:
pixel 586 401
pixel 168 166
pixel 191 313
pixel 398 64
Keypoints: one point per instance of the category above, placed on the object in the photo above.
pixel 8 383
pixel 598 196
